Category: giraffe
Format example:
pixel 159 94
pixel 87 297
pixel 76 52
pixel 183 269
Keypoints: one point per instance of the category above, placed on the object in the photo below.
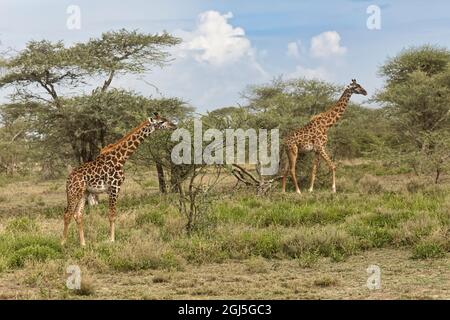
pixel 314 136
pixel 105 174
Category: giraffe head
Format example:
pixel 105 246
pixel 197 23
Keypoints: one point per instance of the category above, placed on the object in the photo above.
pixel 161 123
pixel 356 88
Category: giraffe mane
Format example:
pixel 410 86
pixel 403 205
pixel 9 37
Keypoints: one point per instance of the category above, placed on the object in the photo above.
pixel 112 146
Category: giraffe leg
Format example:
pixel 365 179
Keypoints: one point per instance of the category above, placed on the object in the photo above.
pixel 113 194
pixel 285 171
pixel 67 217
pixel 73 201
pixel 292 155
pixel 79 219
pixel 331 165
pixel 314 171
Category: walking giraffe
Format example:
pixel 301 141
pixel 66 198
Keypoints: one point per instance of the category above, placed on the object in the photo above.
pixel 314 136
pixel 105 174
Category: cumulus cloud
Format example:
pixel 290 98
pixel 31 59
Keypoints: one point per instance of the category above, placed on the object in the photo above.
pixel 324 45
pixel 327 44
pixel 293 49
pixel 215 40
pixel 310 73
pixel 213 64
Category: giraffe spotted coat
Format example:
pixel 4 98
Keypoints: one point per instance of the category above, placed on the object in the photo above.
pixel 313 137
pixel 105 174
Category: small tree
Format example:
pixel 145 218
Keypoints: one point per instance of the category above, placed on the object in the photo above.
pixel 194 185
pixel 434 157
pixel 195 189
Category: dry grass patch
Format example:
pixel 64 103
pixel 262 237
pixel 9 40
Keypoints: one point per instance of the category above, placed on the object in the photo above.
pixel 325 282
pixel 256 265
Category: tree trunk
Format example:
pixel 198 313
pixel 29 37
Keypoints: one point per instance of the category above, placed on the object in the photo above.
pixel 174 185
pixel 161 180
pixel 438 174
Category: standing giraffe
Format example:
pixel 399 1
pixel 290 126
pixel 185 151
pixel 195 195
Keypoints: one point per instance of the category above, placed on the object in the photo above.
pixel 105 174
pixel 314 136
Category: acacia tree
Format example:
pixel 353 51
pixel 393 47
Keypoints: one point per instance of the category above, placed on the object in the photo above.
pixel 157 150
pixel 416 99
pixel 286 104
pixel 14 153
pixel 46 73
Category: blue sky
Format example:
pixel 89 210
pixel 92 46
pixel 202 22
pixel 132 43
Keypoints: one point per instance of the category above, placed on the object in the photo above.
pixel 230 44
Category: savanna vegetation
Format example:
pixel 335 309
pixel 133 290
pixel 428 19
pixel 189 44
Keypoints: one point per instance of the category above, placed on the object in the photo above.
pixel 194 231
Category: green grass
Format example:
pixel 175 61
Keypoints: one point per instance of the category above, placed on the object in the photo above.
pixel 33 253
pixel 17 249
pixel 306 228
pixel 428 250
pixel 23 224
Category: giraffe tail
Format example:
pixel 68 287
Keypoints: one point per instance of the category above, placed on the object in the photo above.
pixel 284 164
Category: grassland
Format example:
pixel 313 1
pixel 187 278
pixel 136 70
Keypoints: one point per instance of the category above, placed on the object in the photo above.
pixel 280 246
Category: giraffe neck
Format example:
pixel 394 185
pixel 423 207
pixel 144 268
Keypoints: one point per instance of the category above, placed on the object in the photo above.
pixel 127 145
pixel 335 113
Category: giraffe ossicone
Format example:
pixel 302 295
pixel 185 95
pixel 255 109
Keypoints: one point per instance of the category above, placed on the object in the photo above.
pixel 105 174
pixel 313 137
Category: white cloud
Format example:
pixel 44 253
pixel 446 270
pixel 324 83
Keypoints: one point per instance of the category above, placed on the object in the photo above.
pixel 327 44
pixel 213 65
pixel 310 73
pixel 293 49
pixel 215 40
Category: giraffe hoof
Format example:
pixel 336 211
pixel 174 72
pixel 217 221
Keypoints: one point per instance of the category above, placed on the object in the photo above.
pixel 310 190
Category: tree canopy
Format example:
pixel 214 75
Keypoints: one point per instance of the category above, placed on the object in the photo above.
pixel 49 81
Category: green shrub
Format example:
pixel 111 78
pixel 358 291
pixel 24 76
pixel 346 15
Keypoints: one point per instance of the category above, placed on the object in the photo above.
pixel 370 236
pixel 427 250
pixel 326 241
pixel 9 243
pixel 200 250
pixel 384 218
pixel 32 253
pixel 241 244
